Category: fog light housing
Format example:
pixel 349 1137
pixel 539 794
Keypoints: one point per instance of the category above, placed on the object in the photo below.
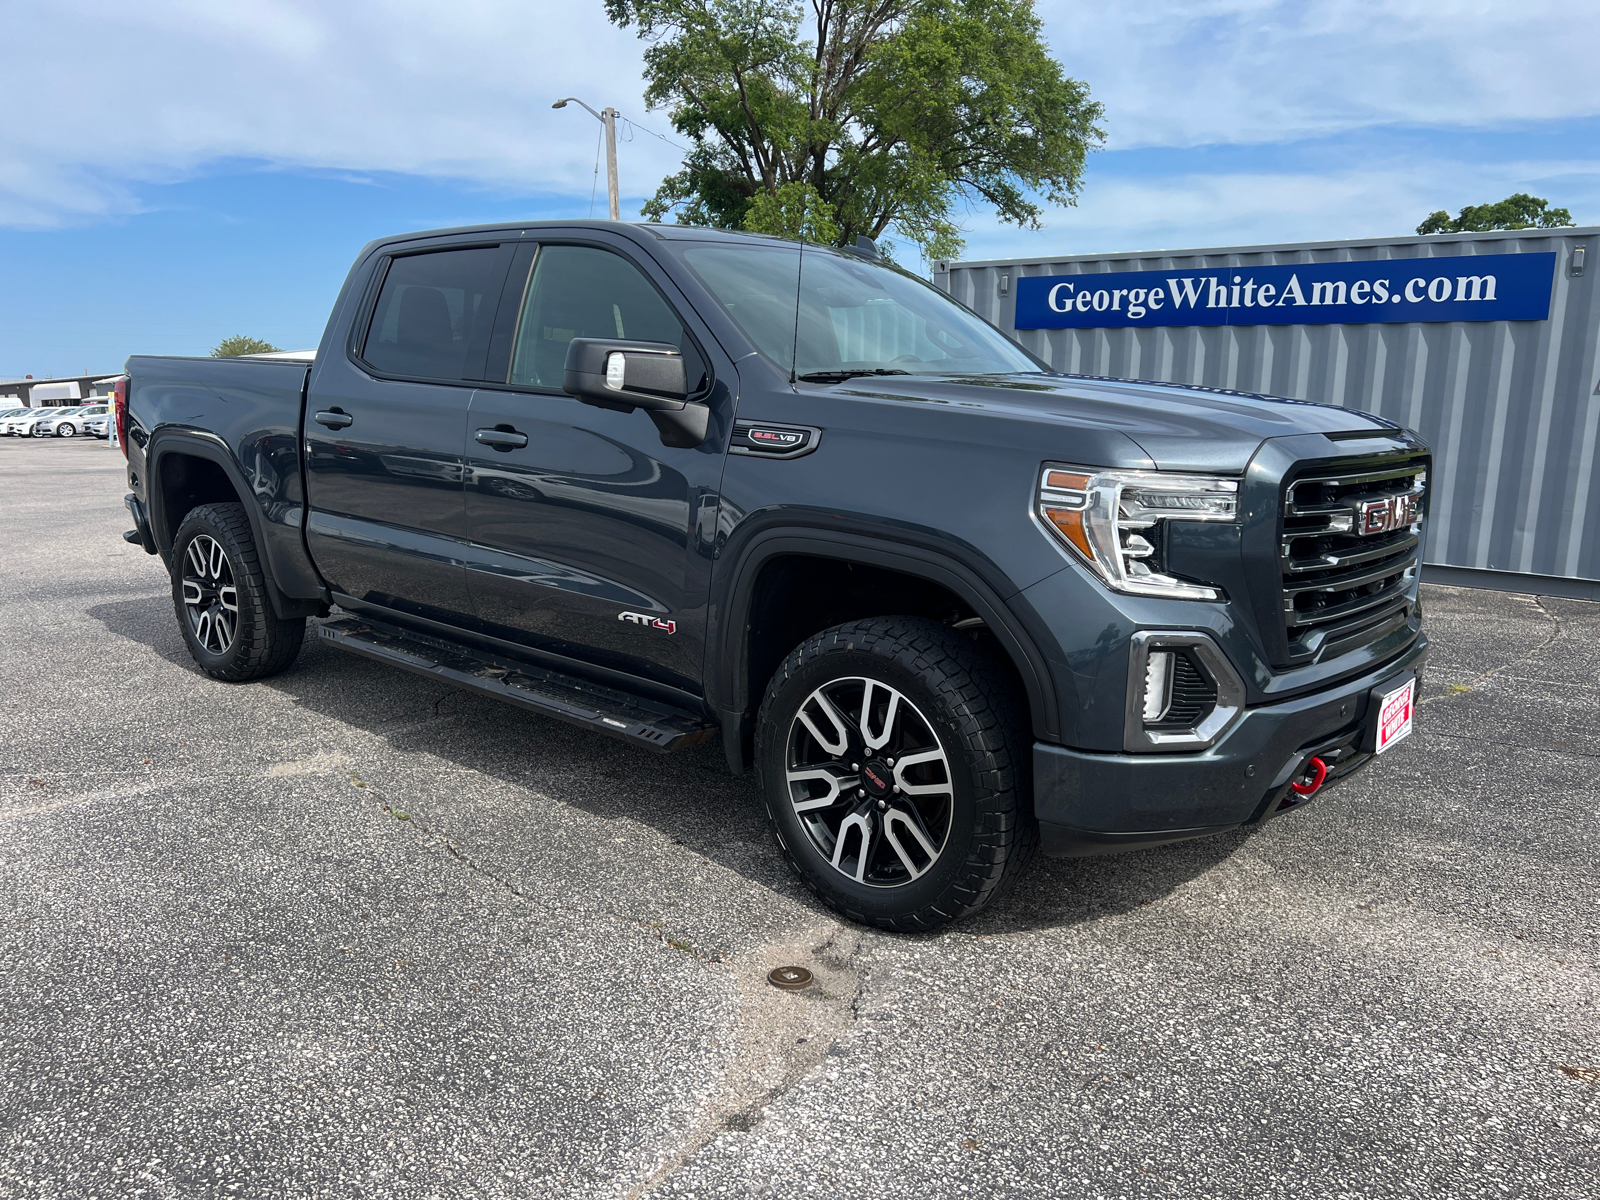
pixel 1183 694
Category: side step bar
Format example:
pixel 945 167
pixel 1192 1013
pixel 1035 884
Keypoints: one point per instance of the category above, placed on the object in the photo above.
pixel 632 719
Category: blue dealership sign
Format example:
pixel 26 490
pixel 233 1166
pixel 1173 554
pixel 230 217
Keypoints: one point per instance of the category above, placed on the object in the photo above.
pixel 1472 287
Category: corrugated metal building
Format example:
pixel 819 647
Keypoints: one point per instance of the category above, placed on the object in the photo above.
pixel 1511 407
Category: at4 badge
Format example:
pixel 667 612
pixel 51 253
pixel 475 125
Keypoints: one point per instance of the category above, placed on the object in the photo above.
pixel 648 622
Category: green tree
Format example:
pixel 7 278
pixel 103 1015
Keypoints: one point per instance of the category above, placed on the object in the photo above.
pixel 233 347
pixel 1520 211
pixel 882 113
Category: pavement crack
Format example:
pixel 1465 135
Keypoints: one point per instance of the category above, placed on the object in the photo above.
pixel 439 840
pixel 779 1037
pixel 1531 656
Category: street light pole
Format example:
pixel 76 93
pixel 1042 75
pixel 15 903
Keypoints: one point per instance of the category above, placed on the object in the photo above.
pixel 607 117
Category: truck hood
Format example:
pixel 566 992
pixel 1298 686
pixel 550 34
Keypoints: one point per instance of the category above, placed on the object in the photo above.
pixel 1180 427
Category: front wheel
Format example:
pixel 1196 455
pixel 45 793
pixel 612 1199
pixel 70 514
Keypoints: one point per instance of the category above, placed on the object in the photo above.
pixel 220 593
pixel 65 430
pixel 893 762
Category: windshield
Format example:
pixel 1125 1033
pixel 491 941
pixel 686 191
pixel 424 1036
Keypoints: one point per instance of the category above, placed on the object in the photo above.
pixel 855 316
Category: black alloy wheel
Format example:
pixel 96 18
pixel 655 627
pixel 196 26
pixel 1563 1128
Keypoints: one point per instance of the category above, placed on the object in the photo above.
pixel 869 781
pixel 210 598
pixel 892 755
pixel 220 594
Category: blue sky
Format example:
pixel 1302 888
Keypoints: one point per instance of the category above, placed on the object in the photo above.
pixel 217 174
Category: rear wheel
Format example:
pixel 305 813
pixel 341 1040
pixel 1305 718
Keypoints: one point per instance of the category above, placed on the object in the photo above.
pixel 220 593
pixel 892 759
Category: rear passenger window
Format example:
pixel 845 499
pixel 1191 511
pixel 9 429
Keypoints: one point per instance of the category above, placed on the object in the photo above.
pixel 579 291
pixel 429 310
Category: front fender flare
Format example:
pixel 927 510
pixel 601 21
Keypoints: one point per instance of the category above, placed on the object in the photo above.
pixel 981 587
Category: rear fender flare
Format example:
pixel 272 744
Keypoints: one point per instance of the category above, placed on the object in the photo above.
pixel 210 447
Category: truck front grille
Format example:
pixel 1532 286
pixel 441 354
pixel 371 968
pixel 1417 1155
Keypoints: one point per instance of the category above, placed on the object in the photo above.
pixel 1347 570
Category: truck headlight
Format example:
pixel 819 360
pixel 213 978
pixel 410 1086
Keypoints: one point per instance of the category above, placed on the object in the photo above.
pixel 1112 520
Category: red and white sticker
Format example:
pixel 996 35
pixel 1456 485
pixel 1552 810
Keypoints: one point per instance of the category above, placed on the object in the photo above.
pixel 1394 715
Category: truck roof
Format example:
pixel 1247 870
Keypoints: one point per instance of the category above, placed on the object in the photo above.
pixel 662 232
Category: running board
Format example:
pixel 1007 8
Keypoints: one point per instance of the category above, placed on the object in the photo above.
pixel 631 719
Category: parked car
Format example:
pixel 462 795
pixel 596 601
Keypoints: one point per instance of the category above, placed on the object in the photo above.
pixel 99 427
pixel 25 423
pixel 70 422
pixel 673 484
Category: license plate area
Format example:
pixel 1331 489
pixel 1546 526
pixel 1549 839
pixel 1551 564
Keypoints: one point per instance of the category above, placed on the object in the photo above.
pixel 1392 713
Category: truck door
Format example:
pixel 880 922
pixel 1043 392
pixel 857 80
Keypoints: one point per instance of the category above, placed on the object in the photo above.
pixel 590 539
pixel 385 427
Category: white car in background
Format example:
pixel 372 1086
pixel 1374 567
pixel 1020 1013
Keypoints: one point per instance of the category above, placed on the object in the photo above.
pixel 25 422
pixel 70 422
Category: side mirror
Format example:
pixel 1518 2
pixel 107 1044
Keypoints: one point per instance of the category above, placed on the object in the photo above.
pixel 623 376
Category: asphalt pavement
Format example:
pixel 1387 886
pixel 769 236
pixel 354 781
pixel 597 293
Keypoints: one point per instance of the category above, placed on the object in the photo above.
pixel 348 932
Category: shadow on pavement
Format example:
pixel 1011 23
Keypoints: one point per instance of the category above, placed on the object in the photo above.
pixel 688 797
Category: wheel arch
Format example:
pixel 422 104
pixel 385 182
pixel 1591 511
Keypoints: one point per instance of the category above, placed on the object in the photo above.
pixel 185 469
pixel 743 660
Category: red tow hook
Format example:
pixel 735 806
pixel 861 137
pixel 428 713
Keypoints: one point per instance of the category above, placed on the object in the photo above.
pixel 1319 772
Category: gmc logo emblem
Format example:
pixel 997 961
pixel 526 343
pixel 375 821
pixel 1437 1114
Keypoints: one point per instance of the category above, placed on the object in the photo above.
pixel 1385 516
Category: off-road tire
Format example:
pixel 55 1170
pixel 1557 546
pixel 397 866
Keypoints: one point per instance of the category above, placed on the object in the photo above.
pixel 972 706
pixel 262 644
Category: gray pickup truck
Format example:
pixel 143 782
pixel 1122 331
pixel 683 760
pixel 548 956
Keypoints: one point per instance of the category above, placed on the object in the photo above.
pixel 675 484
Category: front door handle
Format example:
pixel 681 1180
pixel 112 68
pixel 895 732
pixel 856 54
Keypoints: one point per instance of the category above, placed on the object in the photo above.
pixel 502 438
pixel 334 419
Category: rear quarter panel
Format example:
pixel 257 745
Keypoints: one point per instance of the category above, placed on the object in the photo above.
pixel 246 412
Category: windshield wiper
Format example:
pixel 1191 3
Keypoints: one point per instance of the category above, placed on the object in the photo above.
pixel 841 376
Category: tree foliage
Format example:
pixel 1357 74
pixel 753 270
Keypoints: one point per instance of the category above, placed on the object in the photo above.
pixel 883 113
pixel 1520 211
pixel 238 344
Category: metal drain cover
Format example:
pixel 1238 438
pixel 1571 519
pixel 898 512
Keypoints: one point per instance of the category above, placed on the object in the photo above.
pixel 790 979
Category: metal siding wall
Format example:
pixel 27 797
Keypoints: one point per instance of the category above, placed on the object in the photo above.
pixel 1512 409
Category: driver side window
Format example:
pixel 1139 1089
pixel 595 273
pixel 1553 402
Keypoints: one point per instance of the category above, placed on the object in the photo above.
pixel 582 291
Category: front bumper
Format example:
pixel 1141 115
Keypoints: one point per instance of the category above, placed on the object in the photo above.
pixel 1091 803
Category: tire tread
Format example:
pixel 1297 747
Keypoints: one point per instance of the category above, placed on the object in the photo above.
pixel 981 699
pixel 270 644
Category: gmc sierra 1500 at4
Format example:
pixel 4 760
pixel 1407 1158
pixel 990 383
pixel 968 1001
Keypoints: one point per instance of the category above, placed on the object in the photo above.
pixel 672 483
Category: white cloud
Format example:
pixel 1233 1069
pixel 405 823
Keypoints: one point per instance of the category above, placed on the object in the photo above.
pixel 103 95
pixel 1231 208
pixel 100 94
pixel 1190 72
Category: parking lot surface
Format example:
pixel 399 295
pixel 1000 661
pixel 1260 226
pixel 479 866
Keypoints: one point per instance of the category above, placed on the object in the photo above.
pixel 348 932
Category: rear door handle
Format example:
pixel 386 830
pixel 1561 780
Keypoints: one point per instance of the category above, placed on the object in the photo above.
pixel 505 439
pixel 333 419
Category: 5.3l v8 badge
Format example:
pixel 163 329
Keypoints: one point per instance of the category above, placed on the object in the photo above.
pixel 648 622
